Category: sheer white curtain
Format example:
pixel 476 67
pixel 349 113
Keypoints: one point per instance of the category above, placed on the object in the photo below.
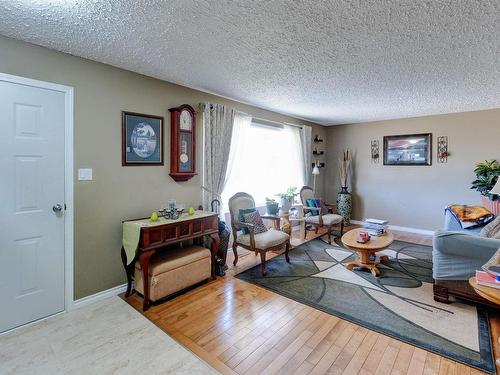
pixel 217 134
pixel 265 161
pixel 305 143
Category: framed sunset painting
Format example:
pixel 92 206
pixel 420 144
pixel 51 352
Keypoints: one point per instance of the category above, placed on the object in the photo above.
pixel 409 149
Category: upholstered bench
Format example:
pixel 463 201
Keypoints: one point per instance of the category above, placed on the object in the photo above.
pixel 173 270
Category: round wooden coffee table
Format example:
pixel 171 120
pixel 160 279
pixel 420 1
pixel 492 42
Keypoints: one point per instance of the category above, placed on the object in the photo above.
pixel 489 293
pixel 367 250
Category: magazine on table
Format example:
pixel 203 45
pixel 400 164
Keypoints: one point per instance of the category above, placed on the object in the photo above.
pixel 493 265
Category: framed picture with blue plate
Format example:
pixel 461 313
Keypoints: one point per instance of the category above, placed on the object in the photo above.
pixel 142 139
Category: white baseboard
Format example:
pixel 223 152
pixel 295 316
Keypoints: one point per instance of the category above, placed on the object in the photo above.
pixel 424 232
pixel 98 297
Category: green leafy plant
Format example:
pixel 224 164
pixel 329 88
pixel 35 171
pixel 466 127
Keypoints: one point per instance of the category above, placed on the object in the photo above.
pixel 289 194
pixel 487 173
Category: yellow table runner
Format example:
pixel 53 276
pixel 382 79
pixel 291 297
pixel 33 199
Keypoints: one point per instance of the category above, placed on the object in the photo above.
pixel 132 230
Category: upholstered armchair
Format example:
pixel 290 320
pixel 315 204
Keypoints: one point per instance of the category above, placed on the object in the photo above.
pixel 261 243
pixel 318 217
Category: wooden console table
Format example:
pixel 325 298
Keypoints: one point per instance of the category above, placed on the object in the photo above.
pixel 158 235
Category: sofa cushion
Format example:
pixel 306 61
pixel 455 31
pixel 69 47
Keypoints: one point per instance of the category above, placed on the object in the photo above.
pixel 328 219
pixel 491 230
pixel 457 255
pixel 264 240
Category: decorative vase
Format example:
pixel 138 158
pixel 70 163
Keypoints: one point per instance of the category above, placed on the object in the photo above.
pixel 286 204
pixel 344 205
pixel 272 208
pixel 493 206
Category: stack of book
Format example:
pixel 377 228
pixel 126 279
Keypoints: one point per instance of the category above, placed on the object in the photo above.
pixel 486 279
pixel 375 227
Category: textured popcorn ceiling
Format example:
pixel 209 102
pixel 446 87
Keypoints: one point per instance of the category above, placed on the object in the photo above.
pixel 331 62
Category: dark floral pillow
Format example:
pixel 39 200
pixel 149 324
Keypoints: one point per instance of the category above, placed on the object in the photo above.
pixel 255 219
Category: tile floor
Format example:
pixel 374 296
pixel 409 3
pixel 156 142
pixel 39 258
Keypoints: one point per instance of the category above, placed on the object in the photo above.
pixel 106 337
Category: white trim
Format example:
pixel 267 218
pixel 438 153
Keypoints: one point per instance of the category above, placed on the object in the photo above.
pixel 85 301
pixel 31 323
pixel 424 232
pixel 68 175
pixel 99 296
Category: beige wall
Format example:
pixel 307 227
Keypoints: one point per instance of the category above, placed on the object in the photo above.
pixel 414 196
pixel 117 193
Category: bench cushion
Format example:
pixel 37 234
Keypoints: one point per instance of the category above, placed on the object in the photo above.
pixel 171 259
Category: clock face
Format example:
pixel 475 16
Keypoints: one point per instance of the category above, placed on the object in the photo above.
pixel 184 158
pixel 186 120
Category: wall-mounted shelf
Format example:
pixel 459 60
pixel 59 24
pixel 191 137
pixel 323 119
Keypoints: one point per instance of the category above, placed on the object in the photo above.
pixel 317 152
pixel 319 165
pixel 317 139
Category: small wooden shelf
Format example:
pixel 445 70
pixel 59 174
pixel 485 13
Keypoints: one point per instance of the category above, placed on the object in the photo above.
pixel 317 140
pixel 318 152
pixel 319 165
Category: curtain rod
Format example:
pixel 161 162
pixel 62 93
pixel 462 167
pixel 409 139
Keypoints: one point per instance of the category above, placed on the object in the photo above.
pixel 273 122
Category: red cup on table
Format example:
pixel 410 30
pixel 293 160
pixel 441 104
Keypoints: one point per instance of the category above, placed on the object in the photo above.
pixel 364 236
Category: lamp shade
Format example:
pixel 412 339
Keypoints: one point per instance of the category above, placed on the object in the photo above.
pixel 315 170
pixel 494 190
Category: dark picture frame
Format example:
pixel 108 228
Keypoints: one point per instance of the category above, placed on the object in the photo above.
pixel 408 149
pixel 142 139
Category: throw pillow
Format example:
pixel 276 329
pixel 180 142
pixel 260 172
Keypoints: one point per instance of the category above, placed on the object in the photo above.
pixel 255 219
pixel 492 230
pixel 242 212
pixel 312 202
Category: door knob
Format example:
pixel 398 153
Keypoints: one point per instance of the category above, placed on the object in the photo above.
pixel 57 208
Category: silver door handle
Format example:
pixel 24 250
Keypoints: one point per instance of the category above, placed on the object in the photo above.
pixel 57 208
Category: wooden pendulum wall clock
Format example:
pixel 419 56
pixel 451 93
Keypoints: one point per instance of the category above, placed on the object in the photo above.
pixel 182 143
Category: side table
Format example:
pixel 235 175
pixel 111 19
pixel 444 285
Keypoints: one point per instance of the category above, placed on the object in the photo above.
pixel 491 294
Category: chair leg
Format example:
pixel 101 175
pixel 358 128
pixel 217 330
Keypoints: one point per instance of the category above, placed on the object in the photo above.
pixel 263 263
pixel 235 252
pixel 341 228
pixel 287 248
pixel 329 235
pixel 305 231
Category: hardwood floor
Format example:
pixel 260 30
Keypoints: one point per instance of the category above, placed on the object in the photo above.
pixel 240 328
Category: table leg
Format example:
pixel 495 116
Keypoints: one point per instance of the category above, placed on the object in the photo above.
pixel 144 260
pixel 128 271
pixel 363 261
pixel 214 250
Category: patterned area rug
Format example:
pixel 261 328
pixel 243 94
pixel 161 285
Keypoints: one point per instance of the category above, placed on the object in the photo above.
pixel 399 303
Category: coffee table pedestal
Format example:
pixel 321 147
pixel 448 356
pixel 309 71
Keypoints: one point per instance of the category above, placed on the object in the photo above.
pixel 363 261
pixel 367 250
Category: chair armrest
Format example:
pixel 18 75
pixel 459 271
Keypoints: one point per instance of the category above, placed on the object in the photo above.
pixel 250 228
pixel 331 206
pixel 276 219
pixel 312 208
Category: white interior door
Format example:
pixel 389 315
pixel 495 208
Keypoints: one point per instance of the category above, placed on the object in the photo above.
pixel 32 125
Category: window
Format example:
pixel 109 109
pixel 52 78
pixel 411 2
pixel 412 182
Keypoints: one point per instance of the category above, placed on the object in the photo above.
pixel 266 161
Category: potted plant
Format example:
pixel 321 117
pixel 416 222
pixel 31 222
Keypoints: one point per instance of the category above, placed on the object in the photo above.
pixel 272 206
pixel 287 198
pixel 487 173
pixel 344 198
